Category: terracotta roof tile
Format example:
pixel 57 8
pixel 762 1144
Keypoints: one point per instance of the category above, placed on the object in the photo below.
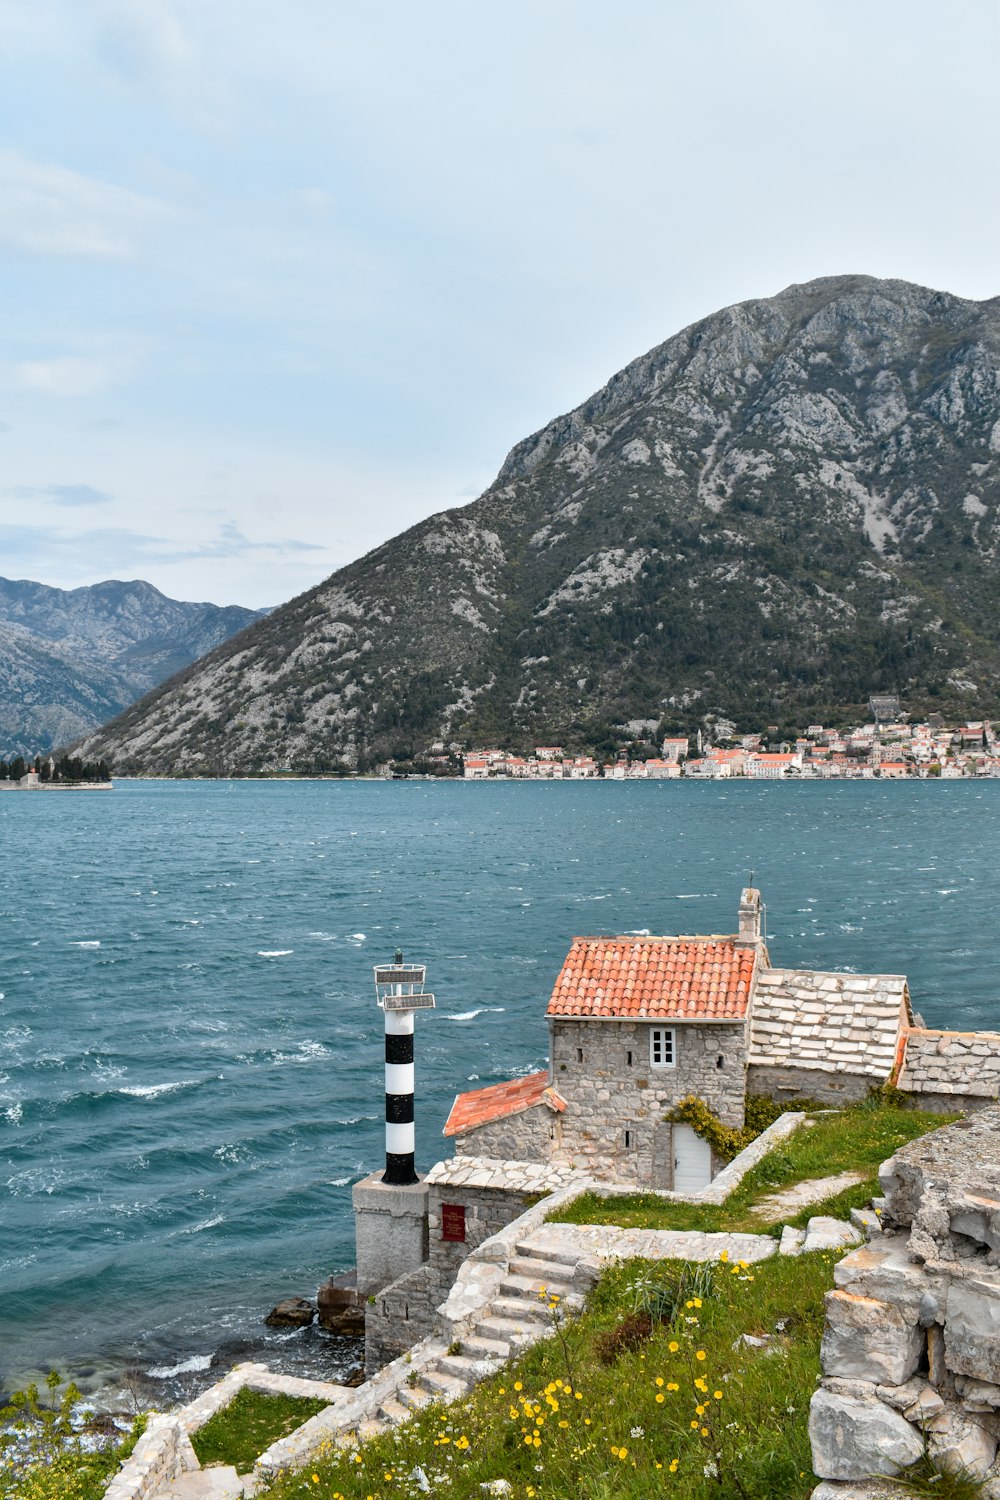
pixel 479 1106
pixel 693 979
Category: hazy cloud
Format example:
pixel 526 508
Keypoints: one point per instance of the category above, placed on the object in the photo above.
pixel 50 210
pixel 112 549
pixel 73 374
pixel 61 494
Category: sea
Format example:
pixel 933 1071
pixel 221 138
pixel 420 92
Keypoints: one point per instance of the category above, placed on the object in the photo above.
pixel 191 1052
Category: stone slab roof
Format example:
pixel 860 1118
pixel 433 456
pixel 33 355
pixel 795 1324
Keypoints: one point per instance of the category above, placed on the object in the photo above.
pixel 655 978
pixel 505 1176
pixel 952 1062
pixel 835 1023
pixel 479 1106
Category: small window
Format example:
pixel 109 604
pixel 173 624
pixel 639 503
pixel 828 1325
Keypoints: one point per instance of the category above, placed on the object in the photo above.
pixel 628 1058
pixel 579 1054
pixel 661 1047
pixel 628 1139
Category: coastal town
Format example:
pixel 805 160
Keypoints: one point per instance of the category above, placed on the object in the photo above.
pixel 888 748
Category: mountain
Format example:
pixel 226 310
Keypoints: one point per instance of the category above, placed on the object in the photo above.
pixel 784 508
pixel 72 658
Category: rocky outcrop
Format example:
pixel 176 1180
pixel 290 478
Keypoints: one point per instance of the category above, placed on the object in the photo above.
pixel 911 1348
pixel 785 507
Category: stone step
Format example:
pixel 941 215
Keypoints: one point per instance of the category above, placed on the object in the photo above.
pixel 462 1366
pixel 517 1331
pixel 521 1308
pixel 221 1482
pixel 549 1254
pixel 443 1384
pixel 395 1411
pixel 531 1286
pixel 482 1347
pixel 371 1427
pixel 414 1397
pixel 547 1273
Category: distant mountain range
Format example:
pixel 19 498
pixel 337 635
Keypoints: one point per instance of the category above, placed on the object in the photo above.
pixel 790 505
pixel 72 658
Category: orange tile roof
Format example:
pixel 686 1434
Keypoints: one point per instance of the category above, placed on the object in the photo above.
pixel 479 1106
pixel 684 979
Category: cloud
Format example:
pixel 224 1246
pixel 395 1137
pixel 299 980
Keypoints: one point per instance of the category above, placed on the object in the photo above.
pixel 114 550
pixel 73 374
pixel 61 494
pixel 50 210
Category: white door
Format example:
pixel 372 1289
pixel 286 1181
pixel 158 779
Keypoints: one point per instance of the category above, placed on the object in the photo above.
pixel 692 1160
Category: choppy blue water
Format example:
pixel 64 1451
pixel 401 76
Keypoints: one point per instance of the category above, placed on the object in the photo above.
pixel 190 1052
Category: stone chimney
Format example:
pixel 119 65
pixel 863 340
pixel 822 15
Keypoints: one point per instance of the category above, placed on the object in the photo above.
pixel 750 909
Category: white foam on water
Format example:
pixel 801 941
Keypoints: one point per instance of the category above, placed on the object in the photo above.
pixel 323 937
pixel 167 1372
pixel 153 1090
pixel 94 943
pixel 274 952
pixel 638 932
pixel 197 1229
pixel 358 937
pixel 339 1181
pixel 470 1015
pixel 14 1112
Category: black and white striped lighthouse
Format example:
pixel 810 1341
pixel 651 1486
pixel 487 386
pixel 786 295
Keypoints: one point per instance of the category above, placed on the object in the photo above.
pixel 399 989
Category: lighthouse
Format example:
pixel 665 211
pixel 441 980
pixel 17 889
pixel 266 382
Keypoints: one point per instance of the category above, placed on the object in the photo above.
pixel 390 1206
pixel 399 990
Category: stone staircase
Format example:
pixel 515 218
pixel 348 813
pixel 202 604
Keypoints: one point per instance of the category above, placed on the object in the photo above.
pixel 516 1318
pixel 218 1483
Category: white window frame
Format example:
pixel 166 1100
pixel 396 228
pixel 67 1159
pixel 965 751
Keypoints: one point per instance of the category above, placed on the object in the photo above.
pixel 662 1040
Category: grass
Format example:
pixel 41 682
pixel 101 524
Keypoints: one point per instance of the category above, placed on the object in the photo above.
pixel 690 1409
pixel 859 1138
pixel 250 1423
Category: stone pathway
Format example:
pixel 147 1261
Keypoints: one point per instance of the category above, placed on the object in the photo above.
pixel 607 1242
pixel 788 1202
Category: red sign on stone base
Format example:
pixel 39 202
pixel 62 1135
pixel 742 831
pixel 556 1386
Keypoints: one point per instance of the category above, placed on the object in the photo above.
pixel 453 1222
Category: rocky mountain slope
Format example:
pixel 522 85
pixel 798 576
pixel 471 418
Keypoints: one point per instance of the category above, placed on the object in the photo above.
pixel 789 505
pixel 70 659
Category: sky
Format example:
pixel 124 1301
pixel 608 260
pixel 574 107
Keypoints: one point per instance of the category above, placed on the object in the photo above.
pixel 278 280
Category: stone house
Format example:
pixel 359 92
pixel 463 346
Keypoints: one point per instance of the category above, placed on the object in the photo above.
pixel 637 1024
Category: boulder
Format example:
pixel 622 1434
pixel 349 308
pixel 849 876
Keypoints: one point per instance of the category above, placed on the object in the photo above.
pixel 885 1271
pixel 978 1395
pixel 915 1398
pixel 972 1326
pixel 825 1233
pixel 857 1489
pixel 341 1309
pixel 865 1339
pixel 857 1438
pixel 960 1444
pixel 293 1312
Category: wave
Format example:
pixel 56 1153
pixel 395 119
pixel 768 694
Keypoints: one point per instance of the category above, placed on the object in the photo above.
pixel 205 1224
pixel 89 943
pixel 470 1015
pixel 154 1090
pixel 339 1181
pixel 358 937
pixel 167 1372
pixel 274 952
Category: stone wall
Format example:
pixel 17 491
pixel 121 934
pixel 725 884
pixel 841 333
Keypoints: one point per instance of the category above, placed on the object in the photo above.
pixel 951 1069
pixel 402 1314
pixel 615 1101
pixel 911 1349
pixel 783 1083
pixel 530 1135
